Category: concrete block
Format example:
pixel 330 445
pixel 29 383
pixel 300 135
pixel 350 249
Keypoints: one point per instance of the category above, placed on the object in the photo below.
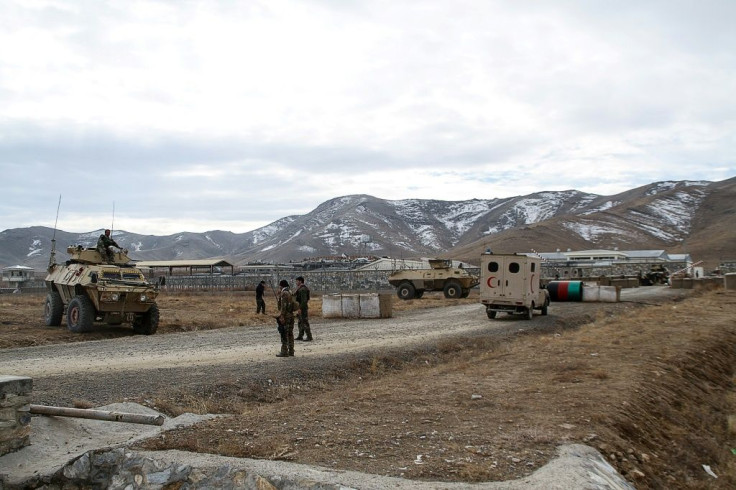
pixel 729 281
pixel 332 306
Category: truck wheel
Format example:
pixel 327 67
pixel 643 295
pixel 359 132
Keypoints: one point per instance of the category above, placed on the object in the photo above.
pixel 147 323
pixel 466 293
pixel 453 290
pixel 544 308
pixel 491 314
pixel 418 293
pixel 529 312
pixel 80 314
pixel 53 309
pixel 406 291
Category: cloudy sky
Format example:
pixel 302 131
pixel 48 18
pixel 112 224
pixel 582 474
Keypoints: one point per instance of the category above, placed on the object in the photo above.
pixel 187 115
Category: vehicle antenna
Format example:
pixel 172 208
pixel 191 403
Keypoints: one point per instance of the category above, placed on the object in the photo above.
pixel 52 257
pixel 112 225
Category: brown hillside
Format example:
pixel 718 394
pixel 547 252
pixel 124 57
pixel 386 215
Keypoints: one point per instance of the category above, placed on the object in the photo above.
pixel 713 237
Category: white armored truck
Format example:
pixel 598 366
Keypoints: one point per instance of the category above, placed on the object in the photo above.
pixel 510 283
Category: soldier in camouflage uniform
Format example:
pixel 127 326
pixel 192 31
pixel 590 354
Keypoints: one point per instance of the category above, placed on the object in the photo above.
pixel 302 297
pixel 287 308
pixel 104 244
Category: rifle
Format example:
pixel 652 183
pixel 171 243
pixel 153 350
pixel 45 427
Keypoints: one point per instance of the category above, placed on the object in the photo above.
pixel 280 326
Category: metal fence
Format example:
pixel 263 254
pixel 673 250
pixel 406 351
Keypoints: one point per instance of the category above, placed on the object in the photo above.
pixel 322 281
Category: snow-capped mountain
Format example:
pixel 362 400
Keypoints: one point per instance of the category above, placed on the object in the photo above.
pixel 664 215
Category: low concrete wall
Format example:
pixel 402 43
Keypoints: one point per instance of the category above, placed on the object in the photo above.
pixel 699 283
pixel 369 305
pixel 15 415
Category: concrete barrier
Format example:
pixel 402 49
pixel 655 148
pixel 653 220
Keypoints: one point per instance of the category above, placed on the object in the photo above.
pixel 729 281
pixel 332 306
pixel 601 294
pixel 368 305
pixel 351 306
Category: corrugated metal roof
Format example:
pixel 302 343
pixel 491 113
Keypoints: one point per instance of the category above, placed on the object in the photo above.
pixel 185 263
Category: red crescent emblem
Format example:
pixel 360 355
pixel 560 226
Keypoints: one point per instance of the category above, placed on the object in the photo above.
pixel 489 282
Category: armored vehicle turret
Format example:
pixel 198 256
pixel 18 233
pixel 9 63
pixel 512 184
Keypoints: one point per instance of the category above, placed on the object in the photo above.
pixel 90 289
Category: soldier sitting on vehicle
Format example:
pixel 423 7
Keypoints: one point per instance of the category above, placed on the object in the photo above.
pixel 104 246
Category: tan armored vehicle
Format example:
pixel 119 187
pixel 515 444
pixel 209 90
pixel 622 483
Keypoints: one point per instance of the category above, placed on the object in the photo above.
pixel 91 290
pixel 510 284
pixel 455 282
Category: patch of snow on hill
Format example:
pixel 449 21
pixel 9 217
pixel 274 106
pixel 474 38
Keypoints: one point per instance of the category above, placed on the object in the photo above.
pixel 93 235
pixel 427 236
pixel 136 247
pixel 534 209
pixel 582 201
pixel 307 249
pixel 408 209
pixel 602 207
pixel 657 232
pixel 209 239
pixel 463 215
pixel 592 231
pixel 268 231
pixel 677 210
pixel 661 187
pixel 35 248
pixel 667 185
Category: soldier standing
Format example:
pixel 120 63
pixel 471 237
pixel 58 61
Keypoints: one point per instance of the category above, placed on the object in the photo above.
pixel 260 302
pixel 104 244
pixel 287 308
pixel 302 297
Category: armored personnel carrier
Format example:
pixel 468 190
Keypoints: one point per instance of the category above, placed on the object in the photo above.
pixel 454 282
pixel 91 290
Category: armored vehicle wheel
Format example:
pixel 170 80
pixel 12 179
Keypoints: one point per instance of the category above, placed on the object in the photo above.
pixel 80 314
pixel 529 312
pixel 453 290
pixel 53 309
pixel 466 293
pixel 419 293
pixel 491 314
pixel 406 290
pixel 147 323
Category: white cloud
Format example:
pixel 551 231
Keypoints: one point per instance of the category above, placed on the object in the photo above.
pixel 238 113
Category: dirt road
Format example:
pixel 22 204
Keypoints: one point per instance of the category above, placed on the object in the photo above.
pixel 104 371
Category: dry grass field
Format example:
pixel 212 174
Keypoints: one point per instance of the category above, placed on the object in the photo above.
pixel 21 316
pixel 650 386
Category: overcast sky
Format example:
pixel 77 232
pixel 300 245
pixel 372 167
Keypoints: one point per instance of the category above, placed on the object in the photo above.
pixel 202 115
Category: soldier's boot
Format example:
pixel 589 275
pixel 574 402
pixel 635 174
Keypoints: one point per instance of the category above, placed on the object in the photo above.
pixel 284 351
pixel 308 331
